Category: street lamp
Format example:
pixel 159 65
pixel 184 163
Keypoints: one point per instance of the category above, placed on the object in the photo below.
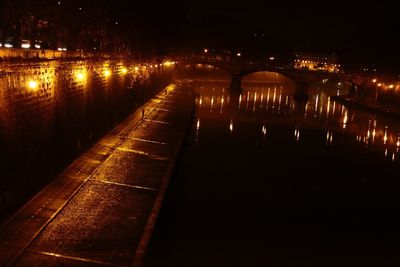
pixel 33 85
pixel 80 76
pixel 107 73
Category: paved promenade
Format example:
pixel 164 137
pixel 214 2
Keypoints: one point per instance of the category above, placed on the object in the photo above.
pixel 101 210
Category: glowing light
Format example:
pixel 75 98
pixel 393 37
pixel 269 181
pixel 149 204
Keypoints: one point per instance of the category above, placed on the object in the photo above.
pixel 231 126
pixel 328 107
pixel 373 135
pixel 124 70
pixel 80 76
pixel 345 118
pixel 374 80
pixel 391 86
pixel 37 46
pixel 136 68
pixel 379 84
pixel 385 137
pixel 205 50
pixel 239 54
pixel 197 130
pixel 25 46
pixel 107 73
pixel 33 85
pixel 264 130
pixel 297 134
pixel 59 49
pixel 280 100
pixel 8 45
pixel 222 104
pixel 329 138
pixel 274 98
pixel 262 99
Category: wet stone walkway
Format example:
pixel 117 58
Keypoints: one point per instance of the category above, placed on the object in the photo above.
pixel 101 210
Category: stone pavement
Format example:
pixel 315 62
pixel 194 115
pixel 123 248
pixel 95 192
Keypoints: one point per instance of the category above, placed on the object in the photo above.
pixel 101 210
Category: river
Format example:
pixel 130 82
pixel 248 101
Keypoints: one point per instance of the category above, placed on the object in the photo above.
pixel 266 179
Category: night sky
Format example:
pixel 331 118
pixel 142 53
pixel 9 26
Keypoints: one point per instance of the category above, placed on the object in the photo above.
pixel 363 33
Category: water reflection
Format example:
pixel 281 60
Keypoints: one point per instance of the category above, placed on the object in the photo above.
pixel 274 103
pixel 288 177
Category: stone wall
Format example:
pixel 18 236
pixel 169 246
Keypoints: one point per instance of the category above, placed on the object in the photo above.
pixel 52 111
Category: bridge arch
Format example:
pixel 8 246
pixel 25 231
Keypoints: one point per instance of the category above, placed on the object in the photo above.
pixel 300 88
pixel 302 78
pixel 266 76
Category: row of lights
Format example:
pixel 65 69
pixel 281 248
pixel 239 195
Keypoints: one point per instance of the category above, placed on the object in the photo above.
pixel 81 75
pixel 390 86
pixel 24 45
pixel 205 50
pixel 316 62
pixel 27 45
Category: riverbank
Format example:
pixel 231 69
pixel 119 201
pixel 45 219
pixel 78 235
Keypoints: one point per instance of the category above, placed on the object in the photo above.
pixel 384 110
pixel 75 102
pixel 101 210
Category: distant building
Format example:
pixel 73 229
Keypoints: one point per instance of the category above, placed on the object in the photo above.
pixel 317 62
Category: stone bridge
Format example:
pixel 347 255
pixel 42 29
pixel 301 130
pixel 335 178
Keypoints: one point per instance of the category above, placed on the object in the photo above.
pixel 238 69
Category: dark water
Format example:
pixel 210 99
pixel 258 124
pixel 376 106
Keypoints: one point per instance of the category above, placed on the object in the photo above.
pixel 267 180
pixel 74 103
